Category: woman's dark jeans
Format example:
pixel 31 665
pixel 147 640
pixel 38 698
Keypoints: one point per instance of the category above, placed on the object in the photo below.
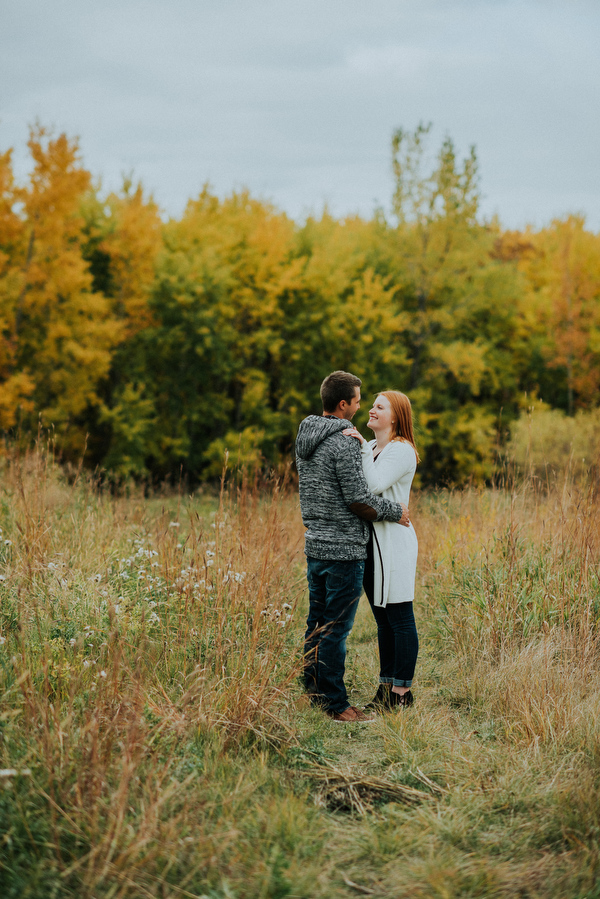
pixel 396 635
pixel 334 592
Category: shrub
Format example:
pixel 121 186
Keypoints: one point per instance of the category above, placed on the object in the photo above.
pixel 546 442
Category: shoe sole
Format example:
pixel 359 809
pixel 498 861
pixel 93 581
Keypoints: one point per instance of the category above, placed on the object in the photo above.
pixel 355 721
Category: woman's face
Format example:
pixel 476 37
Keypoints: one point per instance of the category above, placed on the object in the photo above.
pixel 380 416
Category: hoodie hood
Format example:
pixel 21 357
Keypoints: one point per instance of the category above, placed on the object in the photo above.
pixel 314 430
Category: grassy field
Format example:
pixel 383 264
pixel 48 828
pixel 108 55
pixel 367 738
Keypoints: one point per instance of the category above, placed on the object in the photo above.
pixel 156 743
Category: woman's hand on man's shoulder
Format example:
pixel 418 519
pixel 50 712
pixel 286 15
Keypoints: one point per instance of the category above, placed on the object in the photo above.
pixel 353 432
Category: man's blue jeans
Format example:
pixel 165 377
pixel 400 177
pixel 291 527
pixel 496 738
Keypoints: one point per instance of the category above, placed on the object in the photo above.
pixel 334 590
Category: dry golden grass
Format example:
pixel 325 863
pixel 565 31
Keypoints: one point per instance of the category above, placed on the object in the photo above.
pixel 149 653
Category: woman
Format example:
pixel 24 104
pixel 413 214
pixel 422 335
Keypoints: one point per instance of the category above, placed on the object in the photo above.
pixel 389 464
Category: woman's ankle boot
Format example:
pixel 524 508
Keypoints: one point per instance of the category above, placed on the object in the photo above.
pixel 382 699
pixel 401 700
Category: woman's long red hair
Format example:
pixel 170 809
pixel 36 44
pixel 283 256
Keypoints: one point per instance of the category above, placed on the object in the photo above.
pixel 402 428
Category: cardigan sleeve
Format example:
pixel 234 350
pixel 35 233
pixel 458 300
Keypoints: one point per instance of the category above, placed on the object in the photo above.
pixel 398 459
pixel 359 499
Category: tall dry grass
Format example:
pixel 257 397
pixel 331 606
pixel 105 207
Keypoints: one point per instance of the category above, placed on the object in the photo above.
pixel 508 699
pixel 125 637
pixel 156 743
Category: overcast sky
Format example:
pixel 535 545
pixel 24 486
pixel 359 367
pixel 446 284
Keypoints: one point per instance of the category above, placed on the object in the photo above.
pixel 298 100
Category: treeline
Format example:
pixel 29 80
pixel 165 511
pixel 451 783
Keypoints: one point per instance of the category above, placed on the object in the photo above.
pixel 154 347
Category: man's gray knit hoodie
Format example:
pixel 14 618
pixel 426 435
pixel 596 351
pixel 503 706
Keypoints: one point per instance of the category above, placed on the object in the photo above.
pixel 334 498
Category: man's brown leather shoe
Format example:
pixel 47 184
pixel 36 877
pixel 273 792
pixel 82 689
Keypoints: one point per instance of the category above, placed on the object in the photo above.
pixel 351 715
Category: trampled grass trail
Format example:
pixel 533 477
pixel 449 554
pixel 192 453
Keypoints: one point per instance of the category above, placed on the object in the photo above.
pixel 155 741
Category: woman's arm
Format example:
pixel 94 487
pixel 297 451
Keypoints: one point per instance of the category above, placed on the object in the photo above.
pixel 397 460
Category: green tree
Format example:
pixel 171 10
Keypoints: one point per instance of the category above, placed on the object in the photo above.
pixel 462 305
pixel 123 239
pixel 208 364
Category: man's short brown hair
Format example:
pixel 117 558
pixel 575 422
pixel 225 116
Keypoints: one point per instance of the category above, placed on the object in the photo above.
pixel 338 386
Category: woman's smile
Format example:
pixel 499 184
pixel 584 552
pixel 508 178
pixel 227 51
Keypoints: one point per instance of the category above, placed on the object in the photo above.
pixel 380 415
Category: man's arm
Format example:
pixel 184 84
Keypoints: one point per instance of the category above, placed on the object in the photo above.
pixel 356 493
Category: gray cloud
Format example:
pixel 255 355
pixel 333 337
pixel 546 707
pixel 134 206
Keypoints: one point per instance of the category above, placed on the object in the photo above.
pixel 298 101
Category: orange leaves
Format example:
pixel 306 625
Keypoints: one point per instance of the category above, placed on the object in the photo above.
pixel 11 226
pixel 16 386
pixel 55 185
pixel 57 335
pixel 563 296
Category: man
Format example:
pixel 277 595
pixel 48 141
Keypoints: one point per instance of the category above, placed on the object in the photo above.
pixel 336 505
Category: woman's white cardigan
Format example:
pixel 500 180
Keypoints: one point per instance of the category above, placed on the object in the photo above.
pixel 395 547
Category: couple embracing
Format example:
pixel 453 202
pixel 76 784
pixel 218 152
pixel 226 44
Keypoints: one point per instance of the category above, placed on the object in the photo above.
pixel 354 502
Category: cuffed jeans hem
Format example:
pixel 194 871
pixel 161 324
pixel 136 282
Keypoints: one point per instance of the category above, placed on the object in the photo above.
pixel 402 683
pixel 318 701
pixel 386 680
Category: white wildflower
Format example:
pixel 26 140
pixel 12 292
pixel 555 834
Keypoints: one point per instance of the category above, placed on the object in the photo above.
pixel 2 577
pixel 103 673
pixel 8 542
pixel 2 640
pixel 86 663
pixel 72 641
pixel 174 524
pixel 286 605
